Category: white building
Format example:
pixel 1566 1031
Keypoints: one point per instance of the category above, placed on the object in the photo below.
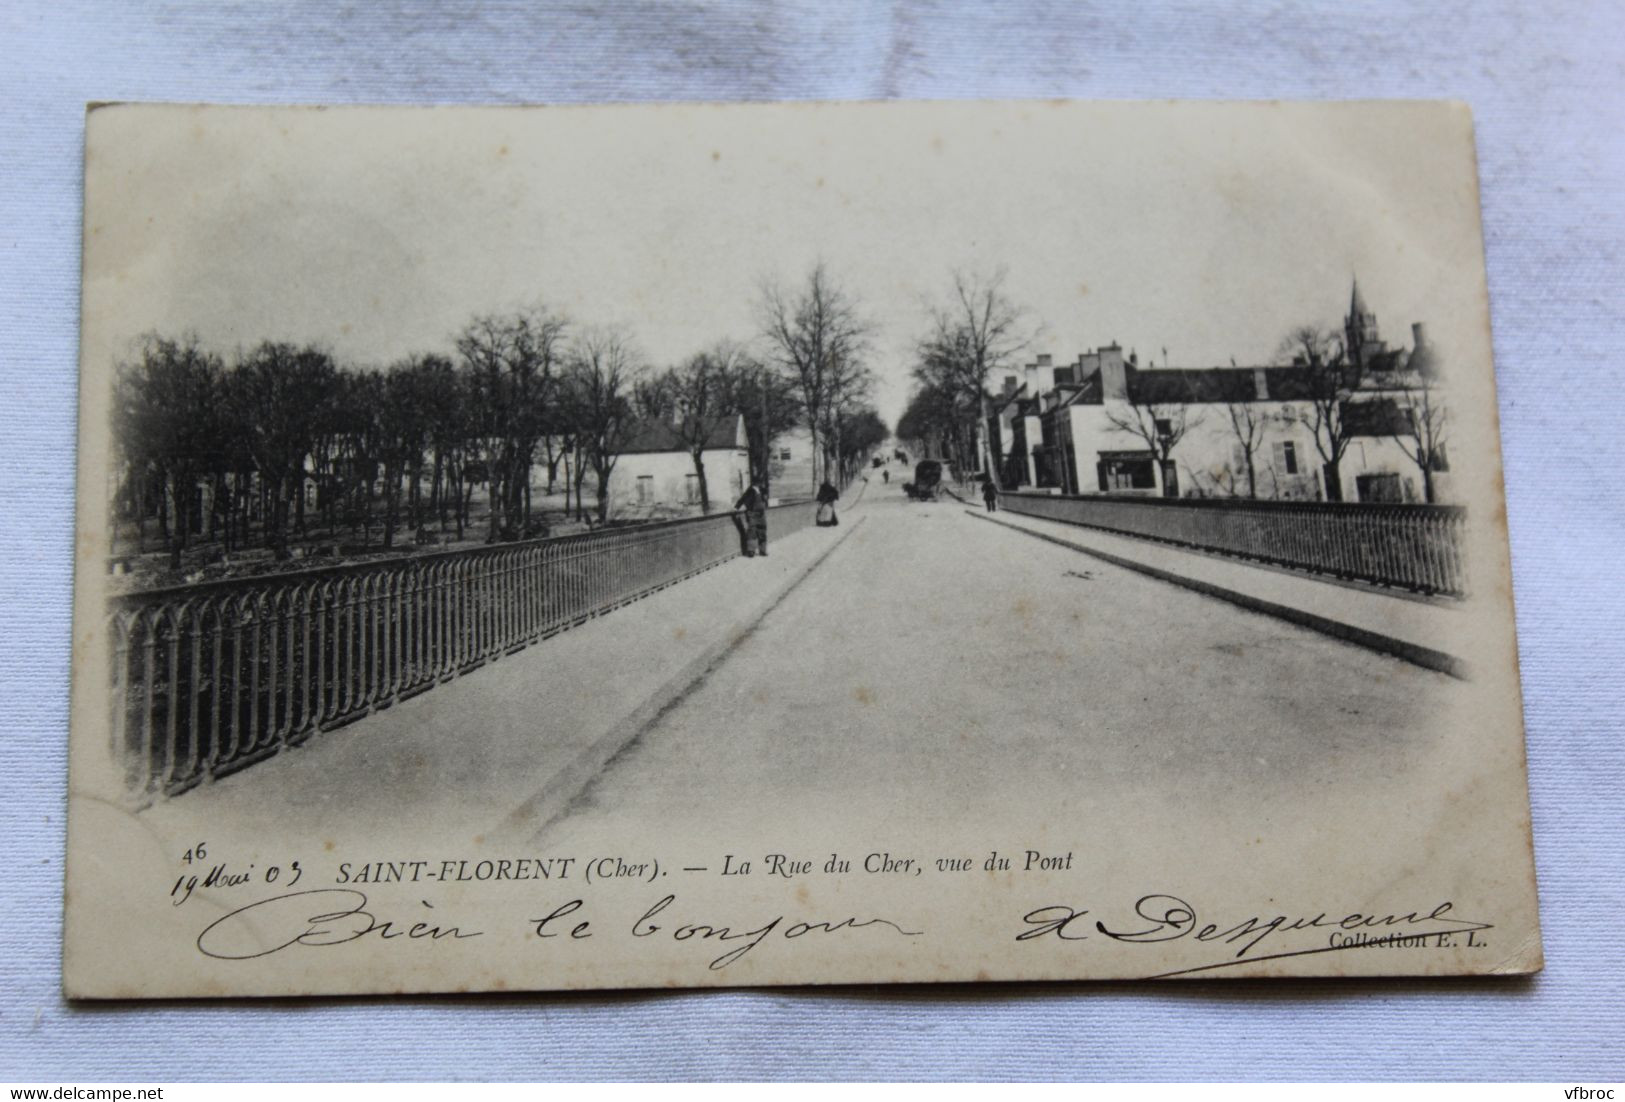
pixel 790 465
pixel 1070 428
pixel 655 474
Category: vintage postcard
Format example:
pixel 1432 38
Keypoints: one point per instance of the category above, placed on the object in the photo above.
pixel 648 546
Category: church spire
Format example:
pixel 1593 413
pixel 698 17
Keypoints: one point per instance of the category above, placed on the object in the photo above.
pixel 1360 327
pixel 1356 302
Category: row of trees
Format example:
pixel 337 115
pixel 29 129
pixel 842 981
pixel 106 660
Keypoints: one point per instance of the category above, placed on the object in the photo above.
pixel 241 441
pixel 231 447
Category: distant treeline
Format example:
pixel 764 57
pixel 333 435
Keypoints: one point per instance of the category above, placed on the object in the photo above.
pixel 282 438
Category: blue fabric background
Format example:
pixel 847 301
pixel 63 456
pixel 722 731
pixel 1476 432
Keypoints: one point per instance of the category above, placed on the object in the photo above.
pixel 1545 82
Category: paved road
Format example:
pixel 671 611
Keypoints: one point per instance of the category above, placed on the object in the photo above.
pixel 936 663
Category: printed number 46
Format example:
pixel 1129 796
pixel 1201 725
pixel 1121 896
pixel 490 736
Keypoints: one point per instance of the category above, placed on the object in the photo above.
pixel 196 853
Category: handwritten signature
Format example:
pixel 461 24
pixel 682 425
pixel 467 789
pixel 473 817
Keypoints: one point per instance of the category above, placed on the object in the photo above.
pixel 1163 918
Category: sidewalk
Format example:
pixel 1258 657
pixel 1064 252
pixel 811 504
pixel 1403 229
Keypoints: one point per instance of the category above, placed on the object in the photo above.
pixel 1418 629
pixel 526 732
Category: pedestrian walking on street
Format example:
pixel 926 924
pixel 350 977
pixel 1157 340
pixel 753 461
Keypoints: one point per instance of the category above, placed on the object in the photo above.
pixel 885 476
pixel 752 505
pixel 827 495
pixel 990 494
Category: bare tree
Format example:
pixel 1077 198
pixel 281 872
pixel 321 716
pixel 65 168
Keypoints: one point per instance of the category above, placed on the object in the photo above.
pixel 851 383
pixel 819 339
pixel 1162 424
pixel 975 335
pixel 166 425
pixel 1331 380
pixel 512 361
pixel 279 396
pixel 768 400
pixel 603 368
pixel 1247 425
pixel 1426 427
pixel 694 395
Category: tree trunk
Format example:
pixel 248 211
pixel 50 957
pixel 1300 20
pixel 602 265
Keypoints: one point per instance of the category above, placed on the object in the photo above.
pixel 581 479
pixel 1333 478
pixel 493 499
pixel 603 492
pixel 553 457
pixel 437 506
pixel 277 519
pixel 163 509
pixel 177 538
pixel 705 491
pixel 392 495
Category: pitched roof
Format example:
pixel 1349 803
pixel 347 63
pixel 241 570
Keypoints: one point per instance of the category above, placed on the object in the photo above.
pixel 1181 384
pixel 1386 370
pixel 660 436
pixel 1377 417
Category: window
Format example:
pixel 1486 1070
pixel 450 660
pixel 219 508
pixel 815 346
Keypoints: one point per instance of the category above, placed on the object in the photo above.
pixel 691 489
pixel 646 489
pixel 1439 460
pixel 1126 473
pixel 784 455
pixel 1286 457
pixel 1383 488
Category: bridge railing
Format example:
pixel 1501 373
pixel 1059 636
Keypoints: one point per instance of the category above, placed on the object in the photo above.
pixel 210 678
pixel 1415 547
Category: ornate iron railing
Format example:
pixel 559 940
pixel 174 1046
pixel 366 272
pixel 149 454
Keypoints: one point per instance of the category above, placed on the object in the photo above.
pixel 210 678
pixel 1415 547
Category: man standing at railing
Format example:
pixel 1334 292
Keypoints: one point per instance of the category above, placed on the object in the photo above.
pixel 753 503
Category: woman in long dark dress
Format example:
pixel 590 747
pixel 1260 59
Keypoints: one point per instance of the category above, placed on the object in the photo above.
pixel 827 495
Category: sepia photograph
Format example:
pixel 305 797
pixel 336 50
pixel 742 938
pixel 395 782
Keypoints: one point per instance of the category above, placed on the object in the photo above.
pixel 705 545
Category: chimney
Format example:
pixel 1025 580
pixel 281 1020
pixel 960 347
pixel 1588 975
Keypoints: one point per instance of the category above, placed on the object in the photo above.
pixel 1422 359
pixel 1043 374
pixel 1261 384
pixel 1011 382
pixel 1031 372
pixel 1113 378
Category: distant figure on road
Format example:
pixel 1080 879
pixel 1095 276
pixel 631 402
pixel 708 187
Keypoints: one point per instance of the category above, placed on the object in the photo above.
pixel 827 495
pixel 885 476
pixel 753 504
pixel 990 495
